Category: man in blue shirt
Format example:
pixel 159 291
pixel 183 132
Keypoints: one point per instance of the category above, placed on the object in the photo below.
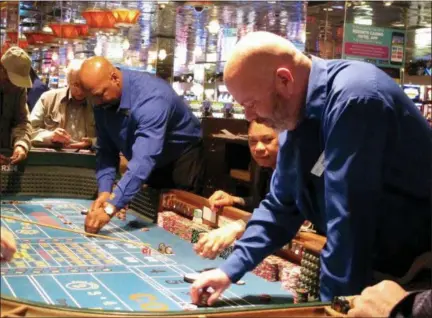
pixel 142 117
pixel 355 160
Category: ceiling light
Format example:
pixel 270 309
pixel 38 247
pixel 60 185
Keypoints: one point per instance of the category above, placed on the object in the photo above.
pixel 214 27
pixel 162 54
pixel 198 51
pixel 388 3
pixel 328 9
pixel 125 44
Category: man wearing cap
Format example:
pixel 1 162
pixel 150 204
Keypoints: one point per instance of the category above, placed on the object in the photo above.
pixel 15 127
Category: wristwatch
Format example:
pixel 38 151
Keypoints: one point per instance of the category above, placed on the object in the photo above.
pixel 109 209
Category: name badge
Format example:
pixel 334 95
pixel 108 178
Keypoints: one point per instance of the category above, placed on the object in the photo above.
pixel 318 168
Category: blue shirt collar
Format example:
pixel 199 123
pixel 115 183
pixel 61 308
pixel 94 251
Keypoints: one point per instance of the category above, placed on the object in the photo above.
pixel 125 100
pixel 317 89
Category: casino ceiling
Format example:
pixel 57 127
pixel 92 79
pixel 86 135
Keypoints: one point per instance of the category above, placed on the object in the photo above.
pixel 184 28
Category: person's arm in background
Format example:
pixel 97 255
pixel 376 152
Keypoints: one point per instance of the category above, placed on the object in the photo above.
pixel 275 222
pixel 40 135
pixel 148 146
pixel 107 156
pixel 355 135
pixel 21 133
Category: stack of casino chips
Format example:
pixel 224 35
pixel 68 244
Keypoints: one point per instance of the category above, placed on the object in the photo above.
pixel 178 225
pixel 289 276
pixel 310 275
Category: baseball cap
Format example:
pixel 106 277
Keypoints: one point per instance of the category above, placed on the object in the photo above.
pixel 17 64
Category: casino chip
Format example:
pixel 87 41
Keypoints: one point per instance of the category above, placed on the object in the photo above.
pixel 84 211
pixel 190 278
pixel 168 250
pixel 190 307
pixel 161 247
pixel 144 229
pixel 241 282
pixel 205 295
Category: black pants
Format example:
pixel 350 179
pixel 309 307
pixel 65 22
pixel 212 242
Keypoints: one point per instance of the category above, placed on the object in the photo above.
pixel 186 173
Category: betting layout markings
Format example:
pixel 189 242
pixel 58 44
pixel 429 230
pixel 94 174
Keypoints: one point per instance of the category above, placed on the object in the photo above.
pixel 109 290
pixel 66 292
pixel 162 289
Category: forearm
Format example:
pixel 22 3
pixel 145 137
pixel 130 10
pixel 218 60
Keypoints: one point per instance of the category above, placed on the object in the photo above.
pixel 267 230
pixel 130 184
pixel 42 137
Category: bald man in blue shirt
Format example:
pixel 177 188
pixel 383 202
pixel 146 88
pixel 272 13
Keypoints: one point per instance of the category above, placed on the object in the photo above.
pixel 354 159
pixel 142 117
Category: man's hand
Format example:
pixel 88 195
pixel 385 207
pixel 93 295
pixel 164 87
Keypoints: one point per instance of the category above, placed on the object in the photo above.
pixel 378 300
pixel 214 242
pixel 59 135
pixel 8 246
pixel 220 199
pixel 216 279
pixel 95 220
pixel 85 143
pixel 4 160
pixel 19 154
pixel 98 203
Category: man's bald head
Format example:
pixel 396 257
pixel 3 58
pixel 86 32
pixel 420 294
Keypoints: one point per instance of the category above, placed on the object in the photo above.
pixel 268 76
pixel 259 52
pixel 101 80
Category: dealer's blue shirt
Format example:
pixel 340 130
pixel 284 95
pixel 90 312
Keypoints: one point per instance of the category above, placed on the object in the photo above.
pixel 373 199
pixel 152 127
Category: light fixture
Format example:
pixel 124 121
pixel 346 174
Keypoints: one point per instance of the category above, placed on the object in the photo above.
pixel 99 19
pixel 214 27
pixel 162 54
pixel 328 9
pixel 125 44
pixel 54 56
pixel 125 17
pixel 198 51
pixel 70 55
pixel 98 50
pixel 388 3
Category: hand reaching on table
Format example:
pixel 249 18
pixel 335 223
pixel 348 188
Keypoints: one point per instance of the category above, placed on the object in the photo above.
pixel 214 242
pixel 95 220
pixel 378 300
pixel 61 136
pixel 19 154
pixel 85 143
pixel 216 279
pixel 8 246
pixel 219 199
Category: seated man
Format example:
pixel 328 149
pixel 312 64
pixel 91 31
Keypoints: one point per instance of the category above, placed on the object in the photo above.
pixel 63 118
pixel 15 128
pixel 142 117
pixel 263 144
pixel 7 245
